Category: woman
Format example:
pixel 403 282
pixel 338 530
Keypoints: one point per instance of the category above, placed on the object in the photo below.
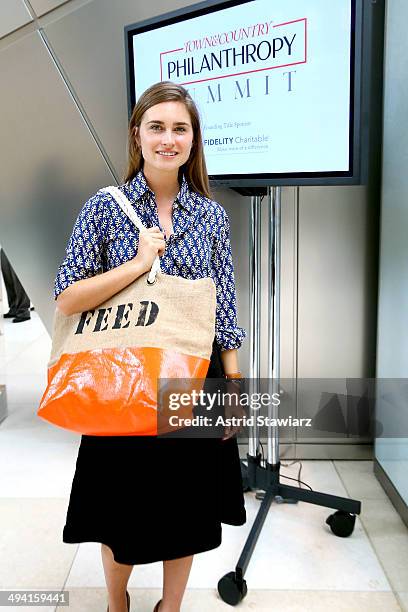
pixel 148 498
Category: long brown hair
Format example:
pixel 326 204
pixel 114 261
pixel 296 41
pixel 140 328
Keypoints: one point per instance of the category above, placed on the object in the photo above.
pixel 194 169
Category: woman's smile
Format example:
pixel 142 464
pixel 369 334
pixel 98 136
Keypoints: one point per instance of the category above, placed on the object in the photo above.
pixel 167 153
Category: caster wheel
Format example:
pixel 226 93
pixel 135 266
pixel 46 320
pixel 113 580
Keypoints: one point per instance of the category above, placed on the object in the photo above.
pixel 341 523
pixel 230 591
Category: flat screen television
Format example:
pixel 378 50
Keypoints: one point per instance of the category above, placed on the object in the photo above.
pixel 278 84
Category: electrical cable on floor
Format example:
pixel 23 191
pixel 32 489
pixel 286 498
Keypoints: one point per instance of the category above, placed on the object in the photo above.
pixel 299 472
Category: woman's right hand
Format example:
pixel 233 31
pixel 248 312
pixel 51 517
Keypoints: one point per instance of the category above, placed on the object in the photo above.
pixel 151 244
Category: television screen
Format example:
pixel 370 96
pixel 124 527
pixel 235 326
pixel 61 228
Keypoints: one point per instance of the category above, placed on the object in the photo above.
pixel 273 81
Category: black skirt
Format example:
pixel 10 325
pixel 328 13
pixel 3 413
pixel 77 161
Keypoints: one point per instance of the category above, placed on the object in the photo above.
pixel 152 498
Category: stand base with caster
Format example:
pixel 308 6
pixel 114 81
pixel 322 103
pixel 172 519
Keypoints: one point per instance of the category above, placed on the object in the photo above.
pixel 232 587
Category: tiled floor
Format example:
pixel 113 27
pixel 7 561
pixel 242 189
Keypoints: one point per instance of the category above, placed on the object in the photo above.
pixel 298 564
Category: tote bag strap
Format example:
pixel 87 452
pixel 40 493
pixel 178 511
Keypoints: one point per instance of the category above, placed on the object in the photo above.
pixel 126 206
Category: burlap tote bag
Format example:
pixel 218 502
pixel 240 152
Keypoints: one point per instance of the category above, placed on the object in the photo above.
pixel 105 363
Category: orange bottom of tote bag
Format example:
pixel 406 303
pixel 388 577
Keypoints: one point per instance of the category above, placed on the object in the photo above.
pixel 113 392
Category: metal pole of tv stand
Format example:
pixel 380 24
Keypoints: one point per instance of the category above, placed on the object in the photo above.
pixel 232 587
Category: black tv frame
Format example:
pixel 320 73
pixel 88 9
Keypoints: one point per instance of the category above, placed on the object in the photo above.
pixel 365 36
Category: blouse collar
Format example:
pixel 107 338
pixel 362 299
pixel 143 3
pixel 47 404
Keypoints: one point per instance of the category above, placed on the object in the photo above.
pixel 139 186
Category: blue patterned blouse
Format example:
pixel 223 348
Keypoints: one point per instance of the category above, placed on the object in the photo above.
pixel 104 238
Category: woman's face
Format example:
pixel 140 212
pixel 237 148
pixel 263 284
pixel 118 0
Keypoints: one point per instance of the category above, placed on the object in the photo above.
pixel 166 136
